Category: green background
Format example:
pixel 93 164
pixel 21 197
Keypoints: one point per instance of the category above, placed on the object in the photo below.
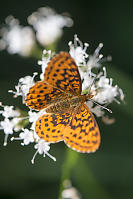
pixel 108 173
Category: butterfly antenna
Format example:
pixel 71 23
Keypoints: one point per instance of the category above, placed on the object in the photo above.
pixel 103 107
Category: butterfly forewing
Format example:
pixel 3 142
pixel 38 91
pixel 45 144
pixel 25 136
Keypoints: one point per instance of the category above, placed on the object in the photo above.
pixel 43 94
pixel 62 72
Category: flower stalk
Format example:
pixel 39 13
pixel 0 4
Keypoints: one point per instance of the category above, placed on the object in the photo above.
pixel 70 161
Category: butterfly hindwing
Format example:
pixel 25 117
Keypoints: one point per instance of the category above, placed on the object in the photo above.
pixel 82 134
pixel 50 127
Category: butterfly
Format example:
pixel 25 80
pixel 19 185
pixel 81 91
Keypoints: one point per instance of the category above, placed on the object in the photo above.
pixel 67 116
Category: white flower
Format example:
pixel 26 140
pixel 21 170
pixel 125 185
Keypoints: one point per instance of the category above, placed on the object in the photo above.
pixel 78 51
pixel 95 58
pixel 48 25
pixel 8 126
pixel 69 191
pixel 26 136
pixel 46 56
pixel 9 112
pixel 33 116
pixel 42 148
pixel 107 93
pixel 87 79
pixel 16 38
pixel 24 84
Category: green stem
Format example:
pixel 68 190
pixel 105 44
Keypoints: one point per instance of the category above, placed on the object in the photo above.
pixel 75 165
pixel 86 182
pixel 36 52
pixel 52 47
pixel 71 158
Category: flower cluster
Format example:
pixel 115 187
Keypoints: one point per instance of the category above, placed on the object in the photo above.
pixel 48 25
pixel 10 122
pixel 16 38
pixel 47 28
pixel 23 86
pixel 97 83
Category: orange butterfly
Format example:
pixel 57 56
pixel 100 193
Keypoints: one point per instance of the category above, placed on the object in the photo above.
pixel 67 118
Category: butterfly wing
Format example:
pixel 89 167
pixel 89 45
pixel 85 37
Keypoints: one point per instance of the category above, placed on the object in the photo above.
pixel 61 80
pixel 82 134
pixel 50 127
pixel 62 72
pixel 43 94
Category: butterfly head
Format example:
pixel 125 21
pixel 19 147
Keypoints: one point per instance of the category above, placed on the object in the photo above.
pixel 88 97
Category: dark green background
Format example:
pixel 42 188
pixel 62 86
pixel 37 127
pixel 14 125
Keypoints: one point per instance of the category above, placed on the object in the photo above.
pixel 108 173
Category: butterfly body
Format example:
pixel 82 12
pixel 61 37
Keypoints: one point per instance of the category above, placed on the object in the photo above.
pixel 67 117
pixel 66 105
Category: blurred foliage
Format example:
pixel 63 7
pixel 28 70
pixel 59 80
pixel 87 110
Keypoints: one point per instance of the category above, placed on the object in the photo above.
pixel 107 173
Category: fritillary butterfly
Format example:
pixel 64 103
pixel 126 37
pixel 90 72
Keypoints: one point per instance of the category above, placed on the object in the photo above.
pixel 68 118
